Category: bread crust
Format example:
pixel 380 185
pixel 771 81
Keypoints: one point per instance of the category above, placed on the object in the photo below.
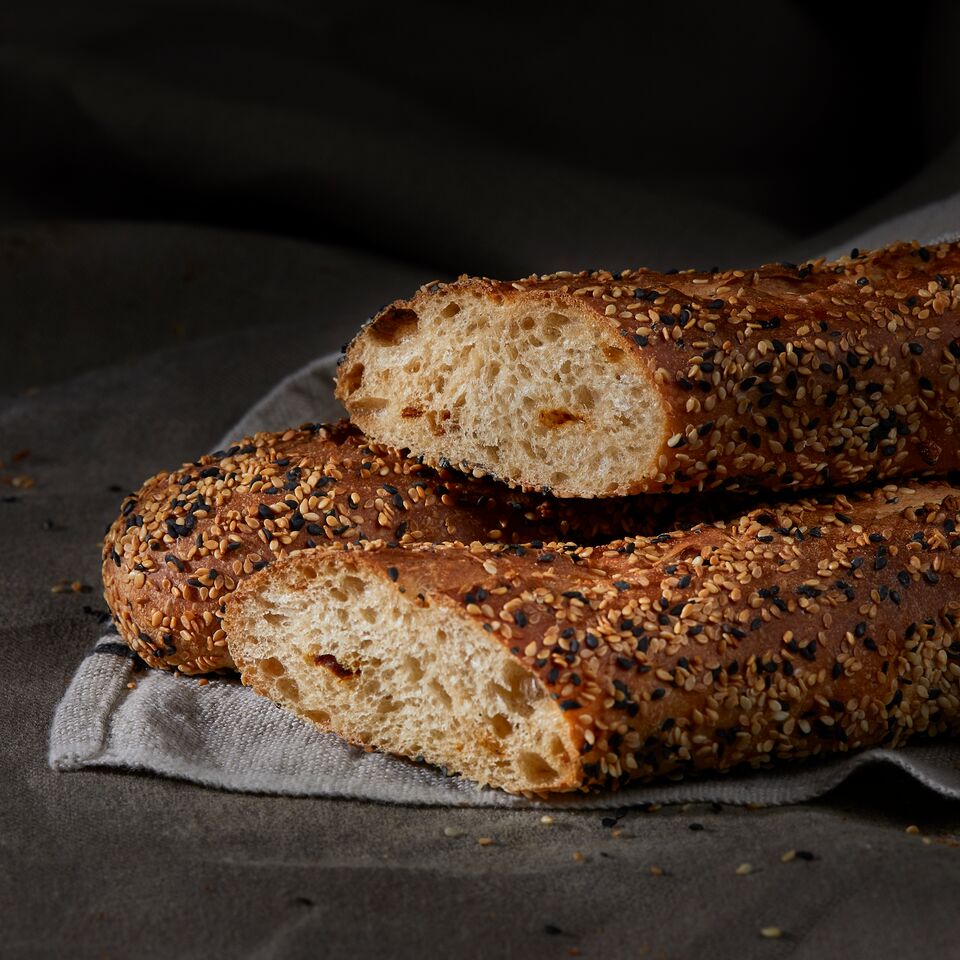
pixel 183 542
pixel 783 377
pixel 799 629
pixel 295 574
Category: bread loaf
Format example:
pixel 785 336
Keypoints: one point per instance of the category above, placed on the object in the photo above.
pixel 600 384
pixel 184 540
pixel 796 630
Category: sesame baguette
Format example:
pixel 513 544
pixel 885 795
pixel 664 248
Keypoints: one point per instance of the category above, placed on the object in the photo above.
pixel 796 630
pixel 184 540
pixel 601 384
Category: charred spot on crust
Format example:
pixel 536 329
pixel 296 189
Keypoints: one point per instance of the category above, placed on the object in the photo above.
pixel 930 452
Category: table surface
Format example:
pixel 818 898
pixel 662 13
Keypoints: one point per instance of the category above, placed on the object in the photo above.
pixel 110 864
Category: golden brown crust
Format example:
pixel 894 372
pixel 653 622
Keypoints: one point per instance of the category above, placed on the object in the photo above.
pixel 783 377
pixel 184 540
pixel 797 630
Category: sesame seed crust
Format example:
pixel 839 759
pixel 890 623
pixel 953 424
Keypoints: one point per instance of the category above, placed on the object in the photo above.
pixel 183 542
pixel 784 377
pixel 797 630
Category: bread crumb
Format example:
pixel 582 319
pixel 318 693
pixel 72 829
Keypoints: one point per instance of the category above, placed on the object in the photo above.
pixel 70 586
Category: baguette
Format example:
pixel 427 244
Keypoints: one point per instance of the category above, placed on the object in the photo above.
pixel 182 542
pixel 601 384
pixel 797 630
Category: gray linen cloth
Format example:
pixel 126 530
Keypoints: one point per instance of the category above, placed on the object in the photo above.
pixel 221 734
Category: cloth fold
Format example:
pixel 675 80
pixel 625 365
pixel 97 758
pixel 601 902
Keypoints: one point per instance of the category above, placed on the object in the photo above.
pixel 215 732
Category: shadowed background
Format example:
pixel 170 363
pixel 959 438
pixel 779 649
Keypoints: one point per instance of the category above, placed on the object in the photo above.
pixel 417 144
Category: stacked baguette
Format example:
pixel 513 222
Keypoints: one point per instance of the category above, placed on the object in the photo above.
pixel 599 384
pixel 186 538
pixel 794 630
pixel 510 631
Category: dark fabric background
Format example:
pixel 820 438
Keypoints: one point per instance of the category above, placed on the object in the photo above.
pixel 499 138
pixel 197 197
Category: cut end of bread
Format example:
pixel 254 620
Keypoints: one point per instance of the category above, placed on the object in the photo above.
pixel 536 395
pixel 332 640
